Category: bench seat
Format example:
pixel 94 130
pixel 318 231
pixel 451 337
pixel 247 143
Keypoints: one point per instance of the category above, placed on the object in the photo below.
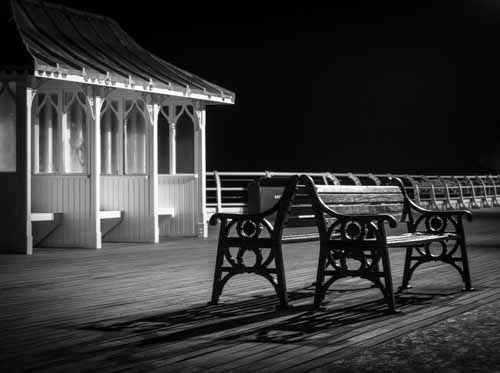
pixel 110 214
pixel 166 211
pixel 45 216
pixel 110 219
pixel 417 239
pixel 50 221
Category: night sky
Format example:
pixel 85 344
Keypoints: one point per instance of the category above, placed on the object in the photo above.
pixel 392 87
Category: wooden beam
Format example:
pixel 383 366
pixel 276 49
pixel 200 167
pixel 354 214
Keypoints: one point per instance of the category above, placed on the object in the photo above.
pixel 24 153
pixel 153 109
pixel 96 99
pixel 200 168
pixel 173 145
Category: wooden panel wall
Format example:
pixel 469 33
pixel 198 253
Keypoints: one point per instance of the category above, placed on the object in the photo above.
pixel 181 193
pixel 131 195
pixel 69 194
pixel 15 228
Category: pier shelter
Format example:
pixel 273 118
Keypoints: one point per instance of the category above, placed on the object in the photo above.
pixel 99 138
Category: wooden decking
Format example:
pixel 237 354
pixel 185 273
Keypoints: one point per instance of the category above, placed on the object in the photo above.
pixel 143 308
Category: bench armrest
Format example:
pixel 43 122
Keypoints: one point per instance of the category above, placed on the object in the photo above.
pixel 239 217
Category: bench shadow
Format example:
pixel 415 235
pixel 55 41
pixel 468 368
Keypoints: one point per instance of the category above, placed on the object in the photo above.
pixel 258 319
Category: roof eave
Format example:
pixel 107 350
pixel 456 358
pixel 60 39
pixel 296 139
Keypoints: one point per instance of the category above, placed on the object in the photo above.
pixel 150 88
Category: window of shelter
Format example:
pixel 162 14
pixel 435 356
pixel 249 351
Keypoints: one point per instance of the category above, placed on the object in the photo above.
pixel 180 118
pixel 7 127
pixel 123 137
pixel 111 133
pixel 185 144
pixel 76 131
pixel 60 132
pixel 46 133
pixel 163 141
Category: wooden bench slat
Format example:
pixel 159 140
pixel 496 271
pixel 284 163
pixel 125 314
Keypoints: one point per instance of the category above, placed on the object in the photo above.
pixel 407 239
pixel 42 216
pixel 166 211
pixel 110 214
pixel 383 208
pixel 356 198
pixel 375 189
pixel 368 209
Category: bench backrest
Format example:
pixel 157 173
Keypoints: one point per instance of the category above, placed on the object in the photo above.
pixel 343 199
pixel 352 200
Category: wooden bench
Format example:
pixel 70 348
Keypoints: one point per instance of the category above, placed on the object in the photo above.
pixel 351 223
pixel 166 211
pixel 110 219
pixel 352 226
pixel 49 223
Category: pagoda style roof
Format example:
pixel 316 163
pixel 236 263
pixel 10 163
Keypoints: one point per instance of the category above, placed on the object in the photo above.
pixel 72 45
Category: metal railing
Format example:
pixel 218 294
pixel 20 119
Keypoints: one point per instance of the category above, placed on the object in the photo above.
pixel 227 191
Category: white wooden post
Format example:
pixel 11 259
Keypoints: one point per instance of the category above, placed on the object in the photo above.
pixel 153 109
pixel 95 95
pixel 30 96
pixel 200 168
pixel 173 144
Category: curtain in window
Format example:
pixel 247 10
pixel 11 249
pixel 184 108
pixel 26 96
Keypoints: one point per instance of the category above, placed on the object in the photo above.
pixel 135 140
pixel 110 140
pixel 46 133
pixel 76 126
pixel 7 129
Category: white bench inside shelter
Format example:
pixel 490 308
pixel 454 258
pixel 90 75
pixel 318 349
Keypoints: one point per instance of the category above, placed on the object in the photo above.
pixel 51 221
pixel 110 219
pixel 166 211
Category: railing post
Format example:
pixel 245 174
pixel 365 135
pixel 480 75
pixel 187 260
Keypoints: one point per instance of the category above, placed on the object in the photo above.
pixel 325 178
pixel 461 200
pixel 447 202
pixel 333 178
pixel 354 178
pixel 375 179
pixel 484 200
pixel 218 192
pixel 416 189
pixel 494 200
pixel 473 201
pixel 433 201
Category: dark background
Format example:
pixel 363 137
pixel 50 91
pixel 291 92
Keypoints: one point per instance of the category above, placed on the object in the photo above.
pixel 406 87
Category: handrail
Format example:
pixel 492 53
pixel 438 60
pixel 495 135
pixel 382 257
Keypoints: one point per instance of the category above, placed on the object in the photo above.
pixel 226 191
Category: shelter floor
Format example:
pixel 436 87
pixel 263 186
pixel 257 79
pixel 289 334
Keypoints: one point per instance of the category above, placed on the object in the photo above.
pixel 131 307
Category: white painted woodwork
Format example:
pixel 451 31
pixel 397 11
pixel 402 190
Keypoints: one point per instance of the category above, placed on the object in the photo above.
pixel 223 99
pixel 173 148
pixel 30 96
pixel 117 214
pixel 180 193
pixel 42 216
pixel 130 194
pixel 166 211
pixel 96 103
pixel 153 109
pixel 200 169
pixel 69 195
